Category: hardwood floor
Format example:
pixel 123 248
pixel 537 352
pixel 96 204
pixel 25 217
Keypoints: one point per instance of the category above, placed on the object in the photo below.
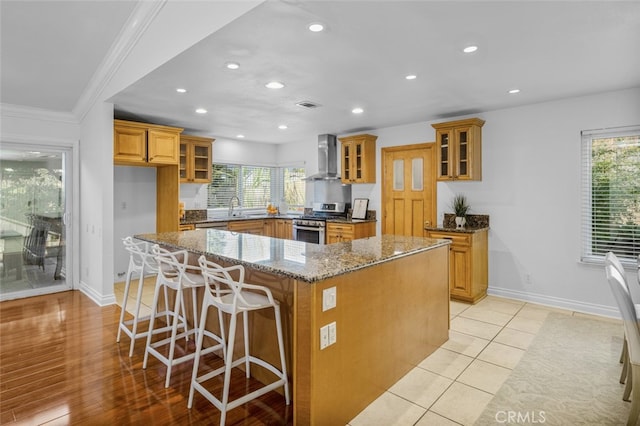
pixel 60 364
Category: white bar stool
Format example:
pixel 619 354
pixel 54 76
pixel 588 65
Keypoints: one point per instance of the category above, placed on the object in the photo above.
pixel 141 262
pixel 175 275
pixel 235 297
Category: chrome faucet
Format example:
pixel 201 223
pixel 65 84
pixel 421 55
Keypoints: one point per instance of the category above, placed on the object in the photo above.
pixel 231 204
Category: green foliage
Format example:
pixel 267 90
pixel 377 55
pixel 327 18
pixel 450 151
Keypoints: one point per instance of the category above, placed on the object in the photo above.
pixel 460 205
pixel 615 192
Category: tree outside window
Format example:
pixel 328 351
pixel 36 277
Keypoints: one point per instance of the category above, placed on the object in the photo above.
pixel 612 174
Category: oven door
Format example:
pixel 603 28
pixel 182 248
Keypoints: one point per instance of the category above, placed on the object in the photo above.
pixel 308 234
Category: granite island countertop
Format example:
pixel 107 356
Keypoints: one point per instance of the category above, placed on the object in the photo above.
pixel 295 259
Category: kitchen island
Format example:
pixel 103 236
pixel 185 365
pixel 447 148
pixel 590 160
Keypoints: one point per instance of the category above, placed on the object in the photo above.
pixel 392 310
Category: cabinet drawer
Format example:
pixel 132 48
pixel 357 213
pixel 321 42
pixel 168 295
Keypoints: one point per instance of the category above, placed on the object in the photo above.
pixel 455 237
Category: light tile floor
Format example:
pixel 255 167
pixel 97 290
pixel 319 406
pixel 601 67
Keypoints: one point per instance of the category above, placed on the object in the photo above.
pixel 454 384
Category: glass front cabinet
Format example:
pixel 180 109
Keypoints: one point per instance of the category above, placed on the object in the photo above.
pixel 358 158
pixel 195 159
pixel 459 149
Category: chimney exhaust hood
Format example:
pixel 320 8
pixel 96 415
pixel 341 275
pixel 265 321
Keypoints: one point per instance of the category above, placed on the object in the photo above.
pixel 327 158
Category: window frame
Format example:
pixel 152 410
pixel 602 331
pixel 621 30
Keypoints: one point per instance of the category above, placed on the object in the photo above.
pixel 276 187
pixel 588 253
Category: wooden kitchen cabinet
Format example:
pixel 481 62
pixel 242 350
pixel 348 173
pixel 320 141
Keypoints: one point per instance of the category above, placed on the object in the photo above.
pixel 143 144
pixel 186 227
pixel 284 229
pixel 468 264
pixel 252 226
pixel 459 149
pixel 269 228
pixel 195 159
pixel 150 145
pixel 358 158
pixel 341 232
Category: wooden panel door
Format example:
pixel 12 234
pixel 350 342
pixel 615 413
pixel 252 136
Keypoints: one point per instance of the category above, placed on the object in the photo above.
pixel 129 145
pixel 163 146
pixel 408 189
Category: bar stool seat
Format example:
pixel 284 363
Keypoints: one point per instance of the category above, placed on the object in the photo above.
pixel 141 262
pixel 235 297
pixel 174 274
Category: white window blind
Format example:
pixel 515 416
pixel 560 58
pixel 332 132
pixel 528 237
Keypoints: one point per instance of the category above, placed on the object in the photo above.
pixel 611 193
pixel 256 186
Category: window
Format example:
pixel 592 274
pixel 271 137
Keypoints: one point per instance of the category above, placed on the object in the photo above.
pixel 611 193
pixel 256 186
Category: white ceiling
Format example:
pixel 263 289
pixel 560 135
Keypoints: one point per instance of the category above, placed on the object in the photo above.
pixel 51 49
pixel 549 50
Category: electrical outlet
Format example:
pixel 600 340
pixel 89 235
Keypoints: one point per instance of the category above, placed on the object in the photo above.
pixel 328 298
pixel 332 333
pixel 324 337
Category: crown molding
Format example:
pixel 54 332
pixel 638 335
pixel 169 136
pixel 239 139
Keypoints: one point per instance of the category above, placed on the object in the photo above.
pixel 143 15
pixel 20 111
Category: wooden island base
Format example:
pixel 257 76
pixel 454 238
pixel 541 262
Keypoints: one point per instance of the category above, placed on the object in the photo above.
pixel 390 314
pixel 389 317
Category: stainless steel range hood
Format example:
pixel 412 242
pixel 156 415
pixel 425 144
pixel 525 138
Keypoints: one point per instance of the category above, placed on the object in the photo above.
pixel 327 158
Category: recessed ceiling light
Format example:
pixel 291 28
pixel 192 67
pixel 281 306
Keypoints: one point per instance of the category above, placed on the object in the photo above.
pixel 181 90
pixel 239 136
pixel 411 77
pixel 357 110
pixel 282 127
pixel 316 27
pixel 274 85
pixel 201 111
pixel 513 91
pixel 470 49
pixel 232 65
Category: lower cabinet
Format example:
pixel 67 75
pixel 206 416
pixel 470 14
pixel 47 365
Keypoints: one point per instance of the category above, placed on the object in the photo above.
pixel 283 229
pixel 341 232
pixel 255 227
pixel 468 263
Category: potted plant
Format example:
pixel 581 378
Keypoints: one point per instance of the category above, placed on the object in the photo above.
pixel 460 207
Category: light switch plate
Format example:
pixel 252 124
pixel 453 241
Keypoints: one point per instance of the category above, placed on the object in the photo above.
pixel 328 298
pixel 324 337
pixel 332 333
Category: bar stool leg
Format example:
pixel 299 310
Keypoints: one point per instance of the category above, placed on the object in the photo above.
pixel 134 328
pixel 227 370
pixel 283 364
pixel 127 284
pixel 154 309
pixel 196 360
pixel 247 362
pixel 174 331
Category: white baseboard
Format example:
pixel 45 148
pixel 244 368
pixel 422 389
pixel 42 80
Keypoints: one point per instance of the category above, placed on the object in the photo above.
pixel 556 302
pixel 98 298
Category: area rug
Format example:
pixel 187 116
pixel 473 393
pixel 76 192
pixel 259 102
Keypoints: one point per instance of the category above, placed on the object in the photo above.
pixel 568 376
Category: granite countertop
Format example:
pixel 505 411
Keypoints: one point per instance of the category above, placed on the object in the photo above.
pixel 465 230
pixel 475 223
pixel 236 218
pixel 294 259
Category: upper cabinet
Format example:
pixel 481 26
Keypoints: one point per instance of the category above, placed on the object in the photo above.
pixel 359 158
pixel 145 144
pixel 459 149
pixel 195 159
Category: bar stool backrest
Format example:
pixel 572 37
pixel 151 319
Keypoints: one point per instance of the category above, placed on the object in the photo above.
pixel 140 256
pixel 220 283
pixel 627 310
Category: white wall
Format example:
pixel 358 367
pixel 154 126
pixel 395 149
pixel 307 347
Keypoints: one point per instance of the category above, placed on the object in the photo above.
pixel 531 190
pixel 134 209
pixel 194 196
pixel 96 209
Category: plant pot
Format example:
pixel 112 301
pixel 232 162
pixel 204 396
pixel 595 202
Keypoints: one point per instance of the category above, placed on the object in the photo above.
pixel 460 222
